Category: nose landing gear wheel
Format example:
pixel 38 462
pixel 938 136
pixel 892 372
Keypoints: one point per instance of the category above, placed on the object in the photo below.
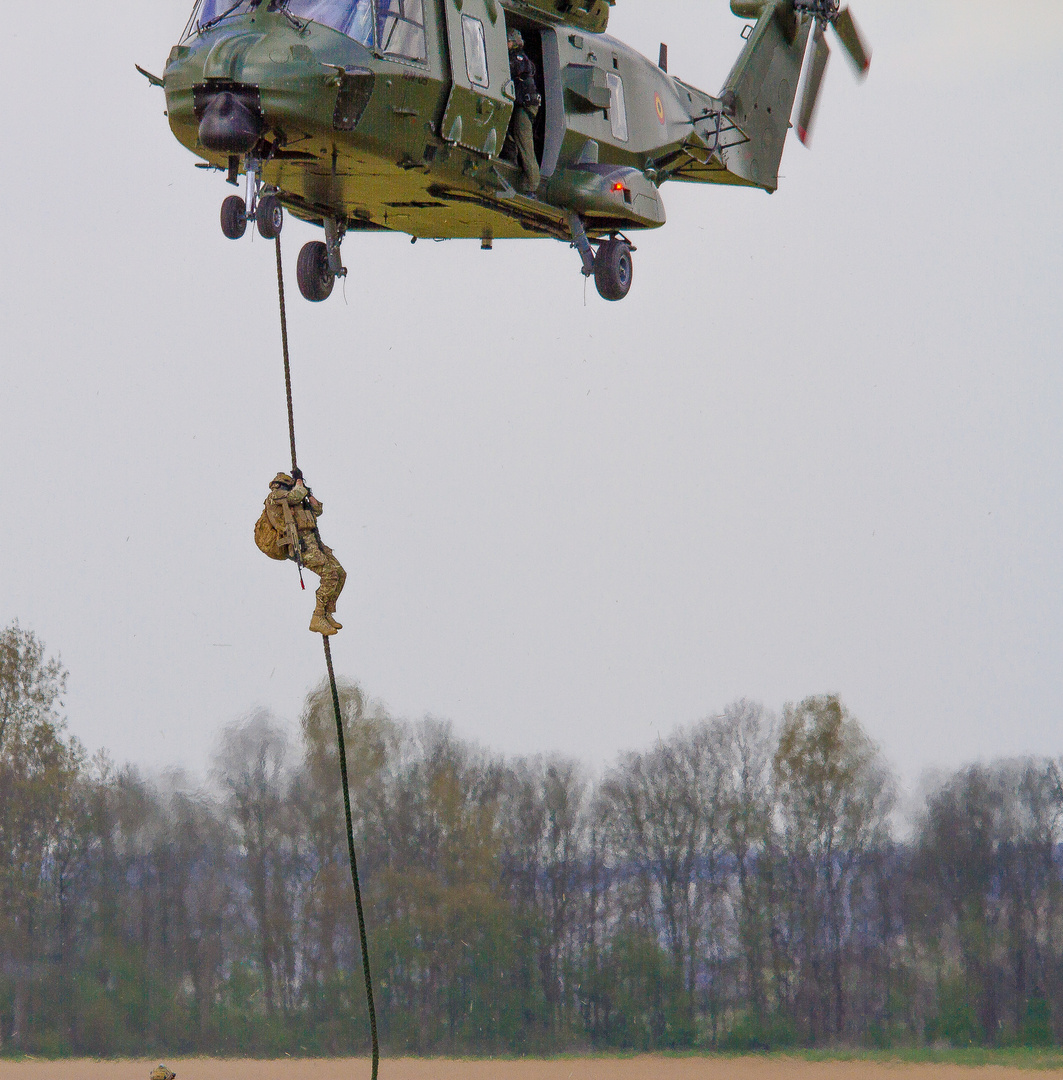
pixel 233 217
pixel 313 273
pixel 270 217
pixel 612 269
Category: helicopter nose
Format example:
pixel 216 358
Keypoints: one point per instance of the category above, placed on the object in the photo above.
pixel 229 125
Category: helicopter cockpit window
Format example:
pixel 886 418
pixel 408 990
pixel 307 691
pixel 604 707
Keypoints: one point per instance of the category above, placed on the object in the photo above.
pixel 351 17
pixel 209 12
pixel 472 30
pixel 399 23
pixel 402 28
pixel 617 108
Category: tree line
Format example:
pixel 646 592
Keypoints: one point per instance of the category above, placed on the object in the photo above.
pixel 739 885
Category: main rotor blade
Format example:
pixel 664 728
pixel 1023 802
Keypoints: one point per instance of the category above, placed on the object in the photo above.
pixel 852 41
pixel 813 82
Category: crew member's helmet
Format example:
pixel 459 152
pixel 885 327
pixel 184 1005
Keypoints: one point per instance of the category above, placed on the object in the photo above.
pixel 514 39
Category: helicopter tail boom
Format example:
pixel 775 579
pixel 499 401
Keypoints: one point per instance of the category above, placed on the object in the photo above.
pixel 761 89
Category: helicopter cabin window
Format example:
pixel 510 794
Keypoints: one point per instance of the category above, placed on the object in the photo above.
pixel 351 17
pixel 617 108
pixel 475 50
pixel 402 28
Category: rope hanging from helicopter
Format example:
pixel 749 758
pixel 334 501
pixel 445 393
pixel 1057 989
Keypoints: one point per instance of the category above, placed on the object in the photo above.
pixel 341 745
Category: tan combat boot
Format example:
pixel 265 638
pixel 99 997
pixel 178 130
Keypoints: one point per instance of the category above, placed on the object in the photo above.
pixel 319 622
pixel 330 614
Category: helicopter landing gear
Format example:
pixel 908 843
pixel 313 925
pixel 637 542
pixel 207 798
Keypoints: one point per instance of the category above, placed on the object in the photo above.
pixel 613 268
pixel 233 217
pixel 313 273
pixel 320 263
pixel 582 244
pixel 265 210
pixel 269 217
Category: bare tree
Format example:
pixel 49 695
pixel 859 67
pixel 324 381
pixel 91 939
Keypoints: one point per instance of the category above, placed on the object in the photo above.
pixel 666 814
pixel 835 796
pixel 252 770
pixel 543 816
pixel 745 735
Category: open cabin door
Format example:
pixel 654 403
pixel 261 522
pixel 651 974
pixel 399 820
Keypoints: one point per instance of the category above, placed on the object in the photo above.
pixel 481 93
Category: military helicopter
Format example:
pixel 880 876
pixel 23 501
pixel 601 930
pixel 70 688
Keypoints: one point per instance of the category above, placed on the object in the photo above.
pixel 364 115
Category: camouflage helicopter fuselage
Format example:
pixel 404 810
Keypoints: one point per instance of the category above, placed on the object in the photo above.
pixel 350 134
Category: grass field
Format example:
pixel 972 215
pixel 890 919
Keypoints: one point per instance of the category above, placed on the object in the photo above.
pixel 943 1065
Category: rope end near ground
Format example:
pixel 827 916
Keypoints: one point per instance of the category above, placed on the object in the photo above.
pixel 354 860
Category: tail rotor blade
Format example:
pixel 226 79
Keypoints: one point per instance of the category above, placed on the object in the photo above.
pixel 813 82
pixel 852 41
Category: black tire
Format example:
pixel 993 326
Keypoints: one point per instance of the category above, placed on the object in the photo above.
pixel 613 269
pixel 313 273
pixel 270 217
pixel 233 217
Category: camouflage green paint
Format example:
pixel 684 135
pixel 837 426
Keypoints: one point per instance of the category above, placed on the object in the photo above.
pixel 371 140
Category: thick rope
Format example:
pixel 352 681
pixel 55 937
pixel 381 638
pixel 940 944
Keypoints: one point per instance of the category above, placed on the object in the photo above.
pixel 284 347
pixel 336 707
pixel 354 859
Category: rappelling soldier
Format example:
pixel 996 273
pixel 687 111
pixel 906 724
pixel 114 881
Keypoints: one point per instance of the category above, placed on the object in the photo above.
pixel 525 110
pixel 287 529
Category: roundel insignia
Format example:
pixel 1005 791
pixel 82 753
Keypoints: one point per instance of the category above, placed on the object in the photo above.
pixel 659 106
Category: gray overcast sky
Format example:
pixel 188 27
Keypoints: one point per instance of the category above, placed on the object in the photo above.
pixel 816 449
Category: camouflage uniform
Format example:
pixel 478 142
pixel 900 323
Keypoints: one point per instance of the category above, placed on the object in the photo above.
pixel 289 504
pixel 526 109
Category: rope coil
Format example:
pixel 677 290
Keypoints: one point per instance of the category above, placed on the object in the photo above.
pixel 363 940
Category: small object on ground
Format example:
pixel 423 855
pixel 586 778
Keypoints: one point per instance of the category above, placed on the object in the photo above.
pixel 161 1072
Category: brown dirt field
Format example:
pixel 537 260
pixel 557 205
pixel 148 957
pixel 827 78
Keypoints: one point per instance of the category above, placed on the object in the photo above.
pixel 634 1068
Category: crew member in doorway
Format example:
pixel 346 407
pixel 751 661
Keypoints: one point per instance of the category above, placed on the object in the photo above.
pixel 287 529
pixel 526 108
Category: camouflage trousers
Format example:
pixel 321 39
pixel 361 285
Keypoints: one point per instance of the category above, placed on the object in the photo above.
pixel 524 138
pixel 319 560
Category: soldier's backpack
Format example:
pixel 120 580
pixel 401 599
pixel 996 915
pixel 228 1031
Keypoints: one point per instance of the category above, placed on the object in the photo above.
pixel 269 539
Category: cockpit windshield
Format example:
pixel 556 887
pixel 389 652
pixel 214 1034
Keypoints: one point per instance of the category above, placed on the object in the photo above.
pixel 208 12
pixel 399 23
pixel 351 17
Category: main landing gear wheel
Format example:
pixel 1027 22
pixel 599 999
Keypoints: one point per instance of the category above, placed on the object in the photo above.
pixel 270 217
pixel 612 269
pixel 233 217
pixel 313 272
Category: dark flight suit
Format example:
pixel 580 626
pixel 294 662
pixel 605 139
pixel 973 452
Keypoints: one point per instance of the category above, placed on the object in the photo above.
pixel 314 555
pixel 525 111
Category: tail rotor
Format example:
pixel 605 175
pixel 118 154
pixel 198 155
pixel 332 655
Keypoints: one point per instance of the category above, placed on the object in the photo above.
pixel 827 13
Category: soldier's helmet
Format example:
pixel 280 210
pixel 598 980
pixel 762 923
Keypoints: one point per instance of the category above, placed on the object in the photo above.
pixel 515 40
pixel 163 1073
pixel 282 479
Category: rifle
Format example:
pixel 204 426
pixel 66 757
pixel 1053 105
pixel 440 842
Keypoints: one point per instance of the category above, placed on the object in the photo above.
pixel 292 534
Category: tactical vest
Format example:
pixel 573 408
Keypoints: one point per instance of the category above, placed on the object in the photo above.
pixel 523 72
